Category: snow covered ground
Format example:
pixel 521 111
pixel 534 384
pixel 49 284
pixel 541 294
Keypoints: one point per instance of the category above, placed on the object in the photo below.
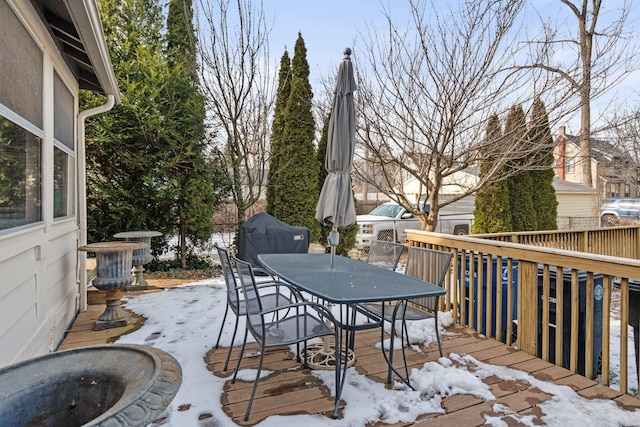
pixel 184 322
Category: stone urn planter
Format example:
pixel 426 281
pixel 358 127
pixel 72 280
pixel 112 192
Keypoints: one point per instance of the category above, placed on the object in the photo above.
pixel 140 256
pixel 106 385
pixel 113 262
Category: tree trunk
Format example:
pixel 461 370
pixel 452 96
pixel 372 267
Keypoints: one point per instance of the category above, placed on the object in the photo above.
pixel 183 246
pixel 586 44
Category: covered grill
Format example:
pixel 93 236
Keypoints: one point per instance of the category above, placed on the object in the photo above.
pixel 263 234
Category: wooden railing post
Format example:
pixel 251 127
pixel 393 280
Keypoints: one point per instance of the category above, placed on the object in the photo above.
pixel 528 307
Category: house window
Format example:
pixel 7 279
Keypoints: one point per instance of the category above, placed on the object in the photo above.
pixel 62 184
pixel 63 152
pixel 20 176
pixel 21 123
pixel 627 190
pixel 614 190
pixel 570 165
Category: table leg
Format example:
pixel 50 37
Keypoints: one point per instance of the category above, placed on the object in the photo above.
pixel 343 338
pixel 389 359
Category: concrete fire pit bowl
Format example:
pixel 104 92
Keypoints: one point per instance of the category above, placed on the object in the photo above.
pixel 107 385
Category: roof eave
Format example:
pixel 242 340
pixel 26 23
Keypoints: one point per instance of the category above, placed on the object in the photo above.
pixel 86 19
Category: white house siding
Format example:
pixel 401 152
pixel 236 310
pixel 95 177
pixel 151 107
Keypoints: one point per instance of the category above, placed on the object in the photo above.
pixel 577 207
pixel 38 262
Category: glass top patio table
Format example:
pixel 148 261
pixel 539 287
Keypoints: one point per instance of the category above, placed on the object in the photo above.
pixel 349 282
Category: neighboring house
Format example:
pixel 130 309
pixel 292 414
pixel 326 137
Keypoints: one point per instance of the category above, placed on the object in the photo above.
pixel 454 184
pixel 613 172
pixel 49 50
pixel 577 203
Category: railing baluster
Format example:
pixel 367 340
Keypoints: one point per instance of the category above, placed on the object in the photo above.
pixel 575 312
pixel 589 324
pixel 509 299
pixel 559 315
pixel 606 324
pixel 624 332
pixel 499 314
pixel 545 312
pixel 481 288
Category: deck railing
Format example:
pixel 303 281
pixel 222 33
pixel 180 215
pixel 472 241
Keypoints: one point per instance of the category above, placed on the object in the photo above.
pixel 621 241
pixel 511 290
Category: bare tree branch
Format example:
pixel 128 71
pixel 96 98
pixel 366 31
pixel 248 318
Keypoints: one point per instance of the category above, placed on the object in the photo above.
pixel 426 93
pixel 235 73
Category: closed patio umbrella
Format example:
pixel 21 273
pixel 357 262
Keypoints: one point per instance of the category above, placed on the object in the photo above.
pixel 335 205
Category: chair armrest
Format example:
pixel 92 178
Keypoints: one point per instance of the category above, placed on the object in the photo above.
pixel 265 285
pixel 321 309
pixel 263 271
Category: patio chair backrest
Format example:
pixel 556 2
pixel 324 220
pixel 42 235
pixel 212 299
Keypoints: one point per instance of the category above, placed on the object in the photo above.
pixel 229 277
pixel 252 297
pixel 428 265
pixel 384 254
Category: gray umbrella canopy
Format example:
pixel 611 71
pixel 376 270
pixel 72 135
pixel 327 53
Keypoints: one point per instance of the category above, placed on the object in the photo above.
pixel 335 205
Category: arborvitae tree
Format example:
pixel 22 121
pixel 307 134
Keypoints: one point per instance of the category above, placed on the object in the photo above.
pixel 298 167
pixel 347 234
pixel 544 195
pixel 181 43
pixel 523 214
pixel 194 195
pixel 492 210
pixel 277 129
pixel 125 147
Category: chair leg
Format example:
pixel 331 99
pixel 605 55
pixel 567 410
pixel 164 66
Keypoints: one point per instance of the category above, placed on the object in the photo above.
pixel 438 334
pixel 404 354
pixel 391 342
pixel 304 361
pixel 224 318
pixel 255 385
pixel 244 342
pixel 337 353
pixel 352 337
pixel 233 338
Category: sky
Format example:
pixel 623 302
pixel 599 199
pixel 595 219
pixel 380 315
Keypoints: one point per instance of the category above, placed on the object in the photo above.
pixel 328 26
pixel 184 321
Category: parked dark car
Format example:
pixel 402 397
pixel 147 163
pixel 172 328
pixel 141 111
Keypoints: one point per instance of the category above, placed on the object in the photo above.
pixel 613 210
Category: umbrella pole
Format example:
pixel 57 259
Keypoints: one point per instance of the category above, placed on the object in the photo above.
pixel 334 238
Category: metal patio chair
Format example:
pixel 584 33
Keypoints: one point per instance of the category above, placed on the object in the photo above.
pixel 429 265
pixel 385 254
pixel 301 321
pixel 237 300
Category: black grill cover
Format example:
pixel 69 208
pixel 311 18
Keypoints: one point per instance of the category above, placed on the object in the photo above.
pixel 264 234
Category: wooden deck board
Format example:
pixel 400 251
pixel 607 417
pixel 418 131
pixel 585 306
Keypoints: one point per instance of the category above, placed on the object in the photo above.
pixel 291 389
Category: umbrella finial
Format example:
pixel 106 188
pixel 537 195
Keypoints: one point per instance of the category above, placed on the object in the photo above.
pixel 347 52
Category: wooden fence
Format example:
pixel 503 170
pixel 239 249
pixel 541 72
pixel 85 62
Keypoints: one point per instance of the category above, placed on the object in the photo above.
pixel 511 290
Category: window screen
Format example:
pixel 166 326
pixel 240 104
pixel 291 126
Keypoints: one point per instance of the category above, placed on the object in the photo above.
pixel 63 113
pixel 20 68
